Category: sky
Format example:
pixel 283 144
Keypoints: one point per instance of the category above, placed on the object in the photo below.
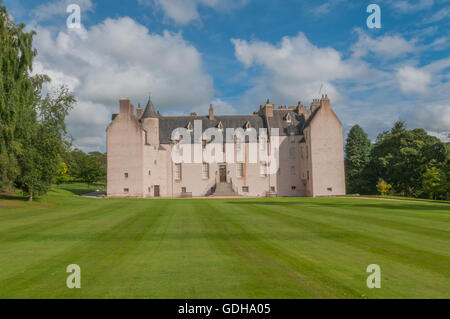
pixel 237 53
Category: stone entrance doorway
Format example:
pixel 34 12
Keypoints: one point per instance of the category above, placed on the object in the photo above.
pixel 223 173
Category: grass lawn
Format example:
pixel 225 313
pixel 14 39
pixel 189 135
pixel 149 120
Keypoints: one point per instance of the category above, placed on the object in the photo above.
pixel 223 248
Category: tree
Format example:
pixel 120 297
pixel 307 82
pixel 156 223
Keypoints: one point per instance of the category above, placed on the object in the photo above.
pixel 434 182
pixel 383 187
pixel 401 157
pixel 88 169
pixel 45 141
pixel 357 157
pixel 19 93
pixel 32 128
pixel 62 175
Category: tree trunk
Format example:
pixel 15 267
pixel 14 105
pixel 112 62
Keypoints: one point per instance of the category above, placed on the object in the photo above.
pixel 30 199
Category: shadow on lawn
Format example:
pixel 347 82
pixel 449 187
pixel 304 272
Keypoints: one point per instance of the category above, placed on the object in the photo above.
pixel 77 190
pixel 381 204
pixel 13 197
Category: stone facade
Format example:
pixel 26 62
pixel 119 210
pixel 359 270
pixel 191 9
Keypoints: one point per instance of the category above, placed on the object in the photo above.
pixel 311 158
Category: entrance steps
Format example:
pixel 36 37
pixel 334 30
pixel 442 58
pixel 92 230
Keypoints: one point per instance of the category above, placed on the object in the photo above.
pixel 224 189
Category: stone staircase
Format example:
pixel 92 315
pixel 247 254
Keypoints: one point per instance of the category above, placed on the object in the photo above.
pixel 224 189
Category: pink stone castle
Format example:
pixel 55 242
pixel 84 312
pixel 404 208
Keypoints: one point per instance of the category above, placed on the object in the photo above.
pixel 311 159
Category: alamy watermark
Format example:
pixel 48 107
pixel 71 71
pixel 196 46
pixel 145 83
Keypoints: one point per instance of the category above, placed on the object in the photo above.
pixel 211 147
pixel 374 20
pixel 374 280
pixel 74 19
pixel 74 279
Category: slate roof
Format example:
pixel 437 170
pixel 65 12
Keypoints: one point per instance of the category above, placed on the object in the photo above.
pixel 150 110
pixel 168 123
pixel 279 121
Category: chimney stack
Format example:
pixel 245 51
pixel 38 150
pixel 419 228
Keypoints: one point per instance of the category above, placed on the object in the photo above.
pixel 325 101
pixel 139 112
pixel 268 109
pixel 211 112
pixel 315 104
pixel 124 107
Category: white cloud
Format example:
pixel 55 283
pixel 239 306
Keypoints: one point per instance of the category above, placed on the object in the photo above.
pixel 413 80
pixel 434 116
pixel 185 11
pixel 443 13
pixel 120 58
pixel 387 47
pixel 409 6
pixel 295 68
pixel 326 7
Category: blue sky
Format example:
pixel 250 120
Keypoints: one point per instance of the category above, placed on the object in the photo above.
pixel 237 53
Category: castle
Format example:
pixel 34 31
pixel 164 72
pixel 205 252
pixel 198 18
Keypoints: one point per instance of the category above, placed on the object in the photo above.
pixel 311 159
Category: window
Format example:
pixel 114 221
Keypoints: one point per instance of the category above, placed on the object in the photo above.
pixel 292 137
pixel 293 188
pixel 263 170
pixel 203 144
pixel 245 189
pixel 126 175
pixel 178 172
pixel 183 190
pixel 330 189
pixel 149 189
pixel 126 190
pixel 307 175
pixel 149 173
pixel 272 188
pixel 155 162
pixel 238 143
pixel 288 118
pixel 301 152
pixel 205 171
pixel 292 170
pixel 263 143
pixel 307 152
pixel 292 153
pixel 240 170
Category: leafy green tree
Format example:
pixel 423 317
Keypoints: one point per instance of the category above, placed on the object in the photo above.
pixel 357 157
pixel 402 156
pixel 434 182
pixel 62 175
pixel 88 169
pixel 19 94
pixel 45 141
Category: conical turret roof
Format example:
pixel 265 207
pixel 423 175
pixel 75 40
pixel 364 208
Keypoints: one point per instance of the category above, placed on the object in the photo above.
pixel 150 110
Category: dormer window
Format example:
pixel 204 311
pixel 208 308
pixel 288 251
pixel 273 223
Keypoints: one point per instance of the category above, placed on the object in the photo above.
pixel 289 118
pixel 247 126
pixel 189 126
pixel 220 126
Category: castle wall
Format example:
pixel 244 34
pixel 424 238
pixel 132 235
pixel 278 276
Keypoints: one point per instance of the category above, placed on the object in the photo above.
pixel 125 155
pixel 311 164
pixel 327 153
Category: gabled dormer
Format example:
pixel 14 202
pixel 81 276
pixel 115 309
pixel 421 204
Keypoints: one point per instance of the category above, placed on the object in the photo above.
pixel 220 126
pixel 288 118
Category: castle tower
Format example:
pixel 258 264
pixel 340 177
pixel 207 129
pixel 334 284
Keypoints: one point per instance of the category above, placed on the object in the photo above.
pixel 150 123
